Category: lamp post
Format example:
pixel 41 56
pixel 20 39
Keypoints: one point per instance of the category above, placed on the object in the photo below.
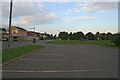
pixel 34 39
pixel 58 34
pixel 10 18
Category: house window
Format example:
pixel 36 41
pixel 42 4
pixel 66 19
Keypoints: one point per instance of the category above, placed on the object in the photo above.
pixel 14 31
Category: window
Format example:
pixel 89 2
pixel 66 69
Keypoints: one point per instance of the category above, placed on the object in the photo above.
pixel 14 31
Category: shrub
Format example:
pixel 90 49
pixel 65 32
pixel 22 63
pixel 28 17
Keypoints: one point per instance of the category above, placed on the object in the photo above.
pixel 41 38
pixel 116 39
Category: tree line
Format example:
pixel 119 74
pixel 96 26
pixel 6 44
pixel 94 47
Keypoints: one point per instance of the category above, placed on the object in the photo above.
pixel 81 36
pixel 48 37
pixel 115 38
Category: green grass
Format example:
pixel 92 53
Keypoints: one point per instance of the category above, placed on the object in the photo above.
pixel 90 42
pixel 8 55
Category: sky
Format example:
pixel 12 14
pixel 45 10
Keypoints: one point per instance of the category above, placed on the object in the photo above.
pixel 52 17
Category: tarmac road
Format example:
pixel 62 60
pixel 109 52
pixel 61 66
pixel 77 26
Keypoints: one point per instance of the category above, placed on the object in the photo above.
pixel 66 61
pixel 21 43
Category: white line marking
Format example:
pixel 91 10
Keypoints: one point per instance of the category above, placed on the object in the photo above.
pixel 53 71
pixel 46 59
pixel 49 54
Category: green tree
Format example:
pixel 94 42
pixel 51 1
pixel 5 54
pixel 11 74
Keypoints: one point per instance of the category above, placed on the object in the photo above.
pixel 51 36
pixel 97 36
pixel 103 36
pixel 41 38
pixel 64 35
pixel 109 36
pixel 71 37
pixel 54 37
pixel 80 35
pixel 90 36
pixel 116 39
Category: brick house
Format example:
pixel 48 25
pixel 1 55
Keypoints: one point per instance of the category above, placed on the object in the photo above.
pixel 18 33
pixel 3 34
pixel 31 35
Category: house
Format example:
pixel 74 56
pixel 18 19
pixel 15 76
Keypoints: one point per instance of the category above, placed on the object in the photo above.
pixel 37 35
pixel 44 35
pixel 18 33
pixel 3 34
pixel 30 35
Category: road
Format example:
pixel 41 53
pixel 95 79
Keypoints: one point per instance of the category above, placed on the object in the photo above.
pixel 66 61
pixel 20 43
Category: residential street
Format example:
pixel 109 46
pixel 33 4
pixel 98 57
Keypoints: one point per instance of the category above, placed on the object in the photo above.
pixel 17 44
pixel 64 61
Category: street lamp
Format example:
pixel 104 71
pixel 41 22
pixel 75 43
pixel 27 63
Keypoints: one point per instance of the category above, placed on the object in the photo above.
pixel 10 18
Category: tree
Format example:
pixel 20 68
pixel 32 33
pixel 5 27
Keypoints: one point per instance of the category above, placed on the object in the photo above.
pixel 103 36
pixel 64 35
pixel 71 37
pixel 54 37
pixel 109 36
pixel 41 38
pixel 97 36
pixel 90 36
pixel 80 35
pixel 116 39
pixel 51 36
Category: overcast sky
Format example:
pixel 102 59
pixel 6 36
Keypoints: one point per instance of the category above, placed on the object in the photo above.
pixel 67 16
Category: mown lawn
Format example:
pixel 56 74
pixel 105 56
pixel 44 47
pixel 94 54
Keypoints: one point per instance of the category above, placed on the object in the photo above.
pixel 18 51
pixel 92 42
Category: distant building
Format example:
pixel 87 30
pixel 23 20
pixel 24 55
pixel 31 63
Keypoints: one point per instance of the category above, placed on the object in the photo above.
pixel 44 35
pixel 3 34
pixel 18 33
pixel 30 35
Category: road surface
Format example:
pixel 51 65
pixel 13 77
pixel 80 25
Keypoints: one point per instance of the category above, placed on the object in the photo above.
pixel 66 61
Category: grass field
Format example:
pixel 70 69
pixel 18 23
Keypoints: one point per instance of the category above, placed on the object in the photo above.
pixel 18 51
pixel 93 42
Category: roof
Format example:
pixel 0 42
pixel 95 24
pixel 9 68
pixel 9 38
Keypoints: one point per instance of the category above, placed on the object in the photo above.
pixel 34 32
pixel 19 28
pixel 30 33
pixel 3 29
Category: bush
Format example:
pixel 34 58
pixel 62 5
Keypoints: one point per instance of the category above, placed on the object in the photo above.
pixel 41 38
pixel 116 39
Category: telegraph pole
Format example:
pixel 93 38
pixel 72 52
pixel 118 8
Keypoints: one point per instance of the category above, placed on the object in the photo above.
pixel 10 18
pixel 59 30
pixel 34 29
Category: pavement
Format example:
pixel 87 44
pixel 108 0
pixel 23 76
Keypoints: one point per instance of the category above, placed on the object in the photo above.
pixel 65 61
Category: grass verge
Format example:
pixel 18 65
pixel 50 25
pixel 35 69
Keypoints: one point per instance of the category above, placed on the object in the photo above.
pixel 90 42
pixel 8 55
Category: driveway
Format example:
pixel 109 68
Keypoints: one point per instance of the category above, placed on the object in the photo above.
pixel 66 61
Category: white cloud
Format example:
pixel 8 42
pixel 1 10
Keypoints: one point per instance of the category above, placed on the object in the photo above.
pixel 87 9
pixel 28 13
pixel 65 12
pixel 76 10
pixel 40 5
pixel 73 19
pixel 98 6
pixel 102 11
pixel 81 4
pixel 69 10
